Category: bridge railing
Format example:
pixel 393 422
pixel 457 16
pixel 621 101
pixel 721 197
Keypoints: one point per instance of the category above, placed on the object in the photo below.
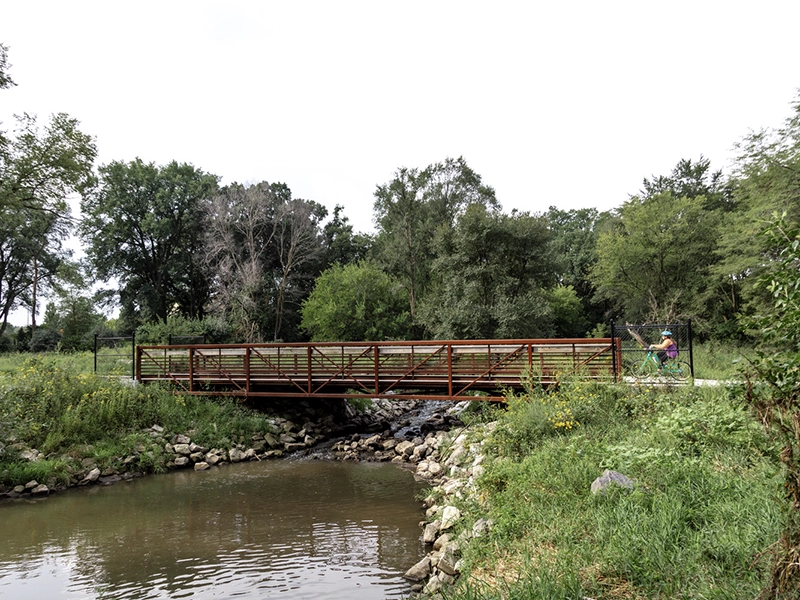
pixel 413 369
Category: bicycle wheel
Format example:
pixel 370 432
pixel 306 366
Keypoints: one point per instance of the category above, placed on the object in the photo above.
pixel 647 370
pixel 630 367
pixel 680 370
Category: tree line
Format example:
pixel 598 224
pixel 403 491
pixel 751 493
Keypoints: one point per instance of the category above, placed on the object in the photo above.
pixel 173 249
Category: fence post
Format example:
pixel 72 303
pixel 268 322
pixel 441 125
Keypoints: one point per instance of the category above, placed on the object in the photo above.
pixel 133 356
pixel 95 353
pixel 691 351
pixel 613 350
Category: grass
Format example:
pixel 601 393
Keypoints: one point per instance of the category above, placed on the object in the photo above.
pixel 698 524
pixel 52 404
pixel 720 361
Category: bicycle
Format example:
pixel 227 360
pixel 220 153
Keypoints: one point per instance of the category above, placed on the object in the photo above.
pixel 652 368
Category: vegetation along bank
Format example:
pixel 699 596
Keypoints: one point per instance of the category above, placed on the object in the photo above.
pixel 510 513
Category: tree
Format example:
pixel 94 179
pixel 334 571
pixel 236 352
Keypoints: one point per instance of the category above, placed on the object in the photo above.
pixel 356 302
pixel 492 271
pixel 40 168
pixel 5 79
pixel 767 173
pixel 773 390
pixel 342 245
pixel 574 244
pixel 298 245
pixel 263 250
pixel 404 226
pixel 408 211
pixel 693 180
pixel 451 186
pixel 238 232
pixel 141 226
pixel 653 261
pixel 569 318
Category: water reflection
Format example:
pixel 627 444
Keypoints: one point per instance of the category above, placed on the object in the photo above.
pixel 288 529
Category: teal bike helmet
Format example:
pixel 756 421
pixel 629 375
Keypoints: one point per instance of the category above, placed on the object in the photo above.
pixel 666 332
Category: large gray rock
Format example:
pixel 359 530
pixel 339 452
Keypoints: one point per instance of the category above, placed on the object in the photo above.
pixel 420 570
pixel 433 586
pixel 30 455
pixel 609 478
pixel 91 476
pixel 434 468
pixel 431 532
pixel 404 448
pixel 448 560
pixel 182 449
pixel 450 516
pixel 481 527
pixel 235 455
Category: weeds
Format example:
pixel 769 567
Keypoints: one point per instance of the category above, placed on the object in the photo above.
pixel 697 524
pixel 68 416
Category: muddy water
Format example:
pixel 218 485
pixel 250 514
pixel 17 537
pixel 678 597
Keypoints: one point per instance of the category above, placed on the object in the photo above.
pixel 286 529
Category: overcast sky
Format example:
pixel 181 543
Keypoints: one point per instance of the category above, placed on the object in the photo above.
pixel 568 104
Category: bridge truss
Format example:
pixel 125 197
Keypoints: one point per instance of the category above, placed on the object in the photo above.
pixel 435 370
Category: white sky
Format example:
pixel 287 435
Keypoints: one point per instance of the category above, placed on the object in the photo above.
pixel 569 104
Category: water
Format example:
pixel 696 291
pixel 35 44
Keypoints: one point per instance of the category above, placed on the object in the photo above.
pixel 291 529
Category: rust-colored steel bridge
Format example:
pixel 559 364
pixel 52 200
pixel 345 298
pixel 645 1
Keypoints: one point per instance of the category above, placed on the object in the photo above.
pixel 431 370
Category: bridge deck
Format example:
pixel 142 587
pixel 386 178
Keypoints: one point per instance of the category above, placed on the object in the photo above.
pixel 442 370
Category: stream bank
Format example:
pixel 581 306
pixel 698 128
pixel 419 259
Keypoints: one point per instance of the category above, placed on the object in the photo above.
pixel 326 429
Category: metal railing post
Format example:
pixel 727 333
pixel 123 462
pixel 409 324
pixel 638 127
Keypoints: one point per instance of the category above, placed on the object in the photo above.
pixel 191 369
pixel 450 370
pixel 376 366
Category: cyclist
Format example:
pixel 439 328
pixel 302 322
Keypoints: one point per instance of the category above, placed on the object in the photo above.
pixel 667 347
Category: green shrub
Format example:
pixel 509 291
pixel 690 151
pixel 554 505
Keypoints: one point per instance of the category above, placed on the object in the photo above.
pixel 213 329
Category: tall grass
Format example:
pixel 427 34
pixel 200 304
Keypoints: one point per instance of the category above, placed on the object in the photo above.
pixel 720 361
pixel 697 525
pixel 66 413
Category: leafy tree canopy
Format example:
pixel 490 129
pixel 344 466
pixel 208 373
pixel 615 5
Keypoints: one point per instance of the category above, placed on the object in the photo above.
pixel 40 169
pixel 142 226
pixel 653 260
pixel 491 273
pixel 355 302
pixel 412 207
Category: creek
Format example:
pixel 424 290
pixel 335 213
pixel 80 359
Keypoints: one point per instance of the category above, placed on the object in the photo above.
pixel 290 529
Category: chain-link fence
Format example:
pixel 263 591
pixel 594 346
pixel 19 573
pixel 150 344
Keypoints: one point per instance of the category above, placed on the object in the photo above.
pixel 632 341
pixel 115 356
pixel 186 339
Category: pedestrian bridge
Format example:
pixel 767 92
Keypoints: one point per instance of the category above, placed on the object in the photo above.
pixel 427 370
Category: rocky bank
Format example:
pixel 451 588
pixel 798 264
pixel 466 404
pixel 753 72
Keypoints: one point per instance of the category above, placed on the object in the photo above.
pixel 427 437
pixel 299 428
